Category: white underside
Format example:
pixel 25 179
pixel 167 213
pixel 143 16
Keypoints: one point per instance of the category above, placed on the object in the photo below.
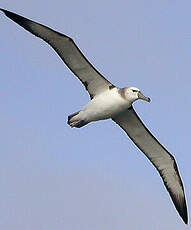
pixel 103 106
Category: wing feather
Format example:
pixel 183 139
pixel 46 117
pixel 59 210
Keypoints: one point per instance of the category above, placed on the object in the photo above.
pixel 65 47
pixel 163 161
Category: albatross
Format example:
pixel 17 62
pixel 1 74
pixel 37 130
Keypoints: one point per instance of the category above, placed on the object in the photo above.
pixel 110 102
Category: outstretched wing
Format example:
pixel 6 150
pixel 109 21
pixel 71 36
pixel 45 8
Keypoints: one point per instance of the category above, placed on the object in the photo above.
pixel 93 81
pixel 163 161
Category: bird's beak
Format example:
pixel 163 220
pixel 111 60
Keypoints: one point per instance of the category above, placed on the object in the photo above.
pixel 141 96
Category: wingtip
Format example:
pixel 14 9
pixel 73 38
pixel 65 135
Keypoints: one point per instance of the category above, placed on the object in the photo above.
pixel 182 210
pixel 7 13
pixel 4 11
pixel 184 214
pixel 185 218
pixel 16 18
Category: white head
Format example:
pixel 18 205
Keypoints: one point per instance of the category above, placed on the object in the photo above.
pixel 133 94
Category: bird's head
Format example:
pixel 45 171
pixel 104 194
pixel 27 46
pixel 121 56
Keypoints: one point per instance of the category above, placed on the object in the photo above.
pixel 133 94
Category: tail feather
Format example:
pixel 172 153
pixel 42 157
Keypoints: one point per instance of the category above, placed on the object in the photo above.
pixel 78 123
pixel 72 115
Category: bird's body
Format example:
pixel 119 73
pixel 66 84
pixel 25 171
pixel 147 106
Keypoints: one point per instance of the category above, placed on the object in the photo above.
pixel 108 101
pixel 103 106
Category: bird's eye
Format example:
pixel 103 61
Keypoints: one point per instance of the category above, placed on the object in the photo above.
pixel 134 90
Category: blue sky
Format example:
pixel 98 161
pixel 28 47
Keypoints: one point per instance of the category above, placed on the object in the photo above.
pixel 55 177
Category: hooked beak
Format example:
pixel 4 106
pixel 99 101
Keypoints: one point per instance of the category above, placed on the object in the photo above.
pixel 141 96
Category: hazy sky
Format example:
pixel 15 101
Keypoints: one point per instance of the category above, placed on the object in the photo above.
pixel 53 177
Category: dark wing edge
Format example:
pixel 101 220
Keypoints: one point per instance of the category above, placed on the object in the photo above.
pixel 162 160
pixel 65 47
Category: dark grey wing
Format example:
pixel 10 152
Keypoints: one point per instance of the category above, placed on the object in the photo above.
pixel 93 81
pixel 158 155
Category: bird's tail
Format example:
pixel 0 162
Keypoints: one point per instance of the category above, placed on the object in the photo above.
pixel 74 121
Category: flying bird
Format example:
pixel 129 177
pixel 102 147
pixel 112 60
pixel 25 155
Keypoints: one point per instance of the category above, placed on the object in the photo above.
pixel 110 102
